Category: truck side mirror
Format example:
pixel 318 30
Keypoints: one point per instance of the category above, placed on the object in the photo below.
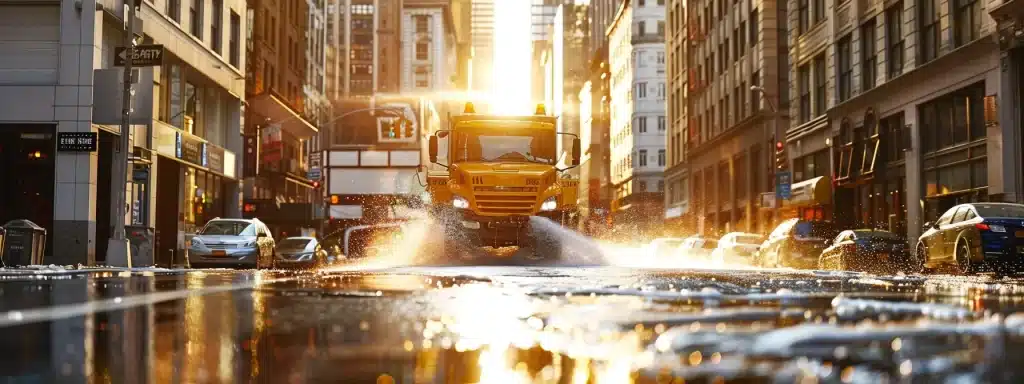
pixel 433 148
pixel 576 151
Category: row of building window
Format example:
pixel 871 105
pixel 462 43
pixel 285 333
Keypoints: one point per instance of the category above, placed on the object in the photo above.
pixel 196 12
pixel 729 110
pixel 641 90
pixel 720 187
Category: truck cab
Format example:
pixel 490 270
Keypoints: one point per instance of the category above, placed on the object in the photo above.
pixel 499 172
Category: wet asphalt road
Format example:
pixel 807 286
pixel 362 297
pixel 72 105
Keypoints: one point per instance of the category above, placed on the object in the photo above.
pixel 507 324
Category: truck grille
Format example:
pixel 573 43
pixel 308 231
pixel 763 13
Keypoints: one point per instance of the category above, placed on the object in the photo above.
pixel 505 204
pixel 505 189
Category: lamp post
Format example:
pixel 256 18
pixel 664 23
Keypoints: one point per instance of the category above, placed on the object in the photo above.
pixel 774 133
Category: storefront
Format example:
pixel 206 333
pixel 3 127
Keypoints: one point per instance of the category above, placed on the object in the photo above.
pixel 203 173
pixel 809 200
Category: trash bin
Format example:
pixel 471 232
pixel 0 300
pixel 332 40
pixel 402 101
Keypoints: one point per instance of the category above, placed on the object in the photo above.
pixel 24 243
pixel 140 240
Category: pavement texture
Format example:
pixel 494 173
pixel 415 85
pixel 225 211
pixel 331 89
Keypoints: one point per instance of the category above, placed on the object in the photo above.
pixel 617 322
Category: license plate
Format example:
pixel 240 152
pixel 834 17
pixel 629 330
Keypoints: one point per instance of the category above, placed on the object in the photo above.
pixel 1020 233
pixel 220 253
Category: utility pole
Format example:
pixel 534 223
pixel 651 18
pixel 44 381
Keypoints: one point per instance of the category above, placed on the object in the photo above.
pixel 118 251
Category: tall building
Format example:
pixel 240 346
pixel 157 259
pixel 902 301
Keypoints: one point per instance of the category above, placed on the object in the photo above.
pixel 314 87
pixel 60 79
pixel 636 53
pixel 677 175
pixel 896 114
pixel 462 21
pixel 594 197
pixel 601 14
pixel 364 46
pixel 727 126
pixel 428 46
pixel 483 44
pixel 278 125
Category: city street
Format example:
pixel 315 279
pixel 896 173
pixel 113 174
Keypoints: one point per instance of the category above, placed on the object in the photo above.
pixel 540 323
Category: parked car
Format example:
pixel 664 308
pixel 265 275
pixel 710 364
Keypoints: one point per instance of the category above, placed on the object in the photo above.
pixel 796 243
pixel 971 237
pixel 232 243
pixel 736 248
pixel 301 252
pixel 663 247
pixel 868 250
pixel 697 248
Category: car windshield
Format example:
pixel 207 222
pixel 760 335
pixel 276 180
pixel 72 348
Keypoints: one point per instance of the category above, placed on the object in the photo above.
pixel 229 228
pixel 496 144
pixel 749 239
pixel 293 243
pixel 1000 210
pixel 814 229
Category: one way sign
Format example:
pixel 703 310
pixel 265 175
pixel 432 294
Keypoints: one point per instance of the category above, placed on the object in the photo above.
pixel 144 56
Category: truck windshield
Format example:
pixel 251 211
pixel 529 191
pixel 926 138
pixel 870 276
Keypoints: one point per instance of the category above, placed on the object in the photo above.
pixel 523 145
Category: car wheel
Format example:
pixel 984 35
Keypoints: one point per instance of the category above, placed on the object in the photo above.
pixel 963 258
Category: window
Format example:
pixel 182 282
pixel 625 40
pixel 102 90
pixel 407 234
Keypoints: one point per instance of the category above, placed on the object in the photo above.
pixel 641 123
pixel 742 103
pixel 894 39
pixel 930 30
pixel 174 10
pixel 803 16
pixel 820 86
pixel 869 55
pixel 641 90
pixel 740 176
pixel 741 42
pixel 753 28
pixel 954 119
pixel 845 150
pixel 661 57
pixel 641 29
pixel 421 23
pixel 217 26
pixel 661 123
pixel 661 28
pixel 967 21
pixel 845 68
pixel 235 42
pixel 804 87
pixel 661 157
pixel 643 157
pixel 819 11
pixel 755 97
pixel 895 139
pixel 195 13
pixel 661 2
pixel 641 3
pixel 872 141
pixel 422 50
pixel 661 91
pixel 661 185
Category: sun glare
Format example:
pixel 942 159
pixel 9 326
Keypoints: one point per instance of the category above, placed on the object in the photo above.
pixel 512 53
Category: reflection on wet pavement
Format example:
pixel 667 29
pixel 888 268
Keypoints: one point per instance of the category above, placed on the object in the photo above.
pixel 509 325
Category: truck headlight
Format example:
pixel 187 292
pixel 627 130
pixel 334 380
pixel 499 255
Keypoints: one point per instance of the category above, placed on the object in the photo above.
pixel 549 205
pixel 460 202
pixel 425 197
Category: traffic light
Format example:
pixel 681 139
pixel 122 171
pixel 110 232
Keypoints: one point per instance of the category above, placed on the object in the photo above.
pixel 781 163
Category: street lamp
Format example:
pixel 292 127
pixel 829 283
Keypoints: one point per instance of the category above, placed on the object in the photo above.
pixel 775 134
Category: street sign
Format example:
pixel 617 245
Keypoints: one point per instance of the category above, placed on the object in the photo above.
pixel 313 174
pixel 149 55
pixel 783 184
pixel 767 200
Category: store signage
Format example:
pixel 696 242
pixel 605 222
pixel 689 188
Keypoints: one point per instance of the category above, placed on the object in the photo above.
pixel 214 158
pixel 783 185
pixel 147 55
pixel 189 149
pixel 76 141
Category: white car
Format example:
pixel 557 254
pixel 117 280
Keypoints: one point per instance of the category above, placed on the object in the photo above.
pixel 697 248
pixel 736 248
pixel 663 247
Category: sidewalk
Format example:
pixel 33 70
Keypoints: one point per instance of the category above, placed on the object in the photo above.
pixel 80 269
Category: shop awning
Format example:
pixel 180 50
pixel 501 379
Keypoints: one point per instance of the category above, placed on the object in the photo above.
pixel 807 193
pixel 277 112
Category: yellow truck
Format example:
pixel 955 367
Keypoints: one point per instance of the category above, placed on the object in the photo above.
pixel 492 176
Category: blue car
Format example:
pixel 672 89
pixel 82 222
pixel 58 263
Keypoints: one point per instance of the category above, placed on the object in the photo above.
pixel 973 237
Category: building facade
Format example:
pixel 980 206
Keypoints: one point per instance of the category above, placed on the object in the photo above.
pixel 734 103
pixel 483 44
pixel 896 113
pixel 364 46
pixel 638 125
pixel 187 107
pixel 595 181
pixel 677 176
pixel 428 56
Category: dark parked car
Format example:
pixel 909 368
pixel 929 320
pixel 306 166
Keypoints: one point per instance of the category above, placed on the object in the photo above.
pixel 866 250
pixel 970 237
pixel 795 243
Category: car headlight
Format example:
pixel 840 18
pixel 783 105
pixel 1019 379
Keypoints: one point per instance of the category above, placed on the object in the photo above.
pixel 549 205
pixel 196 244
pixel 460 202
pixel 248 245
